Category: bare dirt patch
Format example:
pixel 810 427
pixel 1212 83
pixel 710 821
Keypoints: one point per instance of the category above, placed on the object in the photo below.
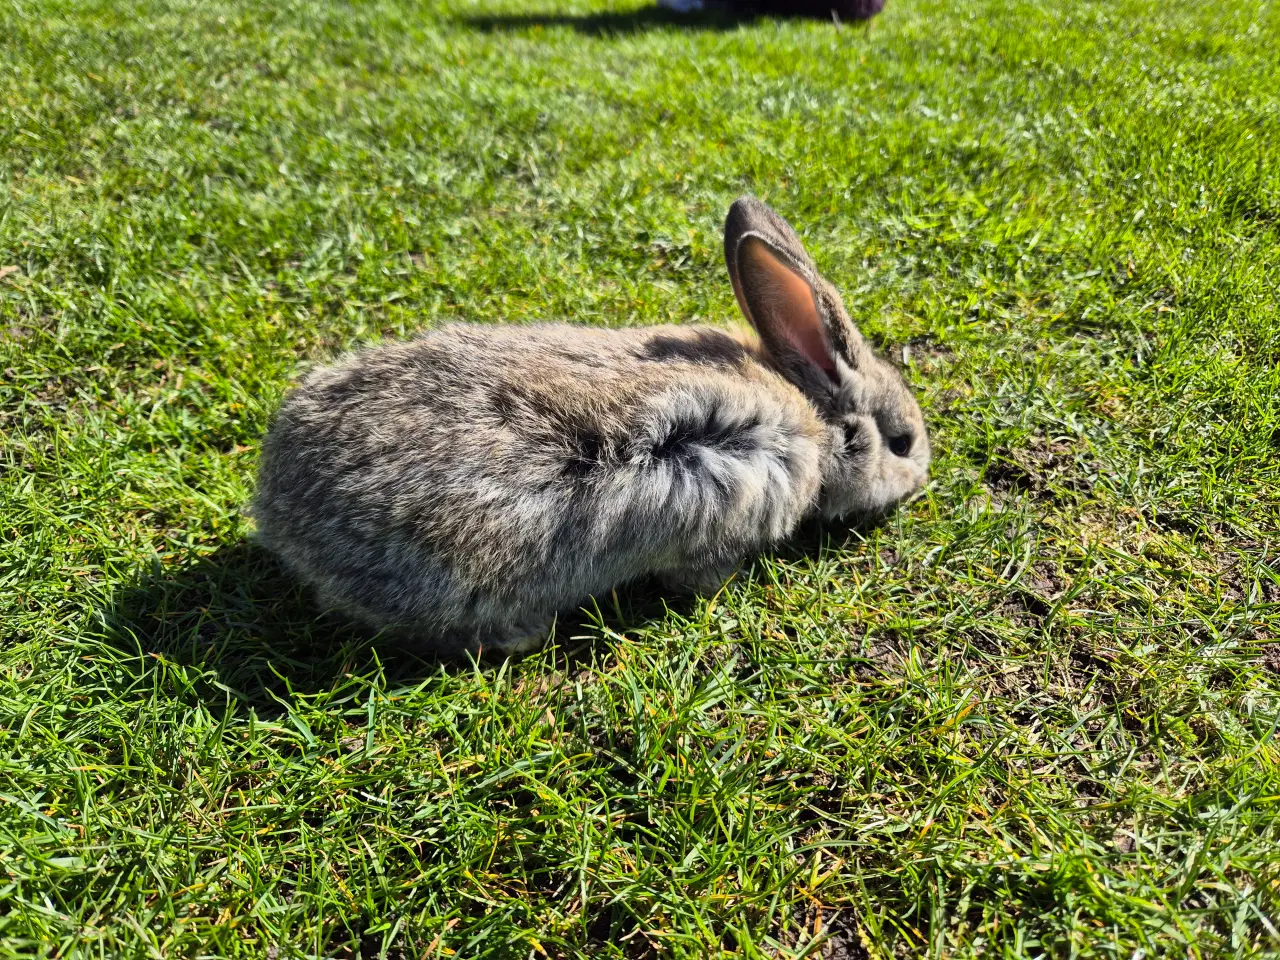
pixel 1045 468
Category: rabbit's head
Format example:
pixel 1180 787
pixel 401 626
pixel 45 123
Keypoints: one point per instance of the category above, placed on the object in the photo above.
pixel 879 451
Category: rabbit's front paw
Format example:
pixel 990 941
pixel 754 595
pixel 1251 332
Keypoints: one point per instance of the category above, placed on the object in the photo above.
pixel 704 581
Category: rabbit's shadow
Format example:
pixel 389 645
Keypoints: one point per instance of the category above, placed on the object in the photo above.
pixel 250 631
pixel 238 620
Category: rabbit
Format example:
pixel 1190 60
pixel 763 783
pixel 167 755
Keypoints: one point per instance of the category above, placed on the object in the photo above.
pixel 460 489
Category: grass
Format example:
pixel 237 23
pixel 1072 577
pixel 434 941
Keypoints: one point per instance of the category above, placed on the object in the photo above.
pixel 1034 714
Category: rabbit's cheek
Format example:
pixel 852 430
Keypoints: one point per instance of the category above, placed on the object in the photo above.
pixel 907 479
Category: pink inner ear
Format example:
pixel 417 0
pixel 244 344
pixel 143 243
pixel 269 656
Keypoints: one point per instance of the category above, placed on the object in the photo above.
pixel 790 306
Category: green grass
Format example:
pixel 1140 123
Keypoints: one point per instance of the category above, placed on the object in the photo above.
pixel 1034 714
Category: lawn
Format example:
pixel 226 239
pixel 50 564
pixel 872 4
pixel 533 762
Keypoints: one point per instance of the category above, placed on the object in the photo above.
pixel 1032 714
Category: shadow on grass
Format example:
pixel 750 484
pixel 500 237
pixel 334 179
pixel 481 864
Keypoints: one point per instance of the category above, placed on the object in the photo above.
pixel 720 16
pixel 237 613
pixel 237 616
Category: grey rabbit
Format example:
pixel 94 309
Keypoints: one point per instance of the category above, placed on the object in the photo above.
pixel 460 489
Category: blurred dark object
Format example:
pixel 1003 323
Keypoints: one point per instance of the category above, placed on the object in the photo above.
pixel 841 9
pixel 835 9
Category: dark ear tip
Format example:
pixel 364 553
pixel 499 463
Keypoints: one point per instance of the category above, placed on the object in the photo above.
pixel 747 202
pixel 745 214
pixel 749 216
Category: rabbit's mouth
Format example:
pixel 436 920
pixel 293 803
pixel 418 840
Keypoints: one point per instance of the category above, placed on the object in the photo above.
pixel 866 501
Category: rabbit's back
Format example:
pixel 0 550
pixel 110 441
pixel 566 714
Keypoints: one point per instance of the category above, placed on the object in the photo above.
pixel 480 478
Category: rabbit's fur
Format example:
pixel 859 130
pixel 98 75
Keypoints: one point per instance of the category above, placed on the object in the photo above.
pixel 462 488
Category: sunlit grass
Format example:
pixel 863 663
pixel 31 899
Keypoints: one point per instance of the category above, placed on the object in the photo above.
pixel 1033 714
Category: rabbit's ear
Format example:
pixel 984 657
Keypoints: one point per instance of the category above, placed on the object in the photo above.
pixel 780 292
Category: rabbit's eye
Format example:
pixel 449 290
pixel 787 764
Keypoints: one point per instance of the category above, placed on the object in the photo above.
pixel 900 445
